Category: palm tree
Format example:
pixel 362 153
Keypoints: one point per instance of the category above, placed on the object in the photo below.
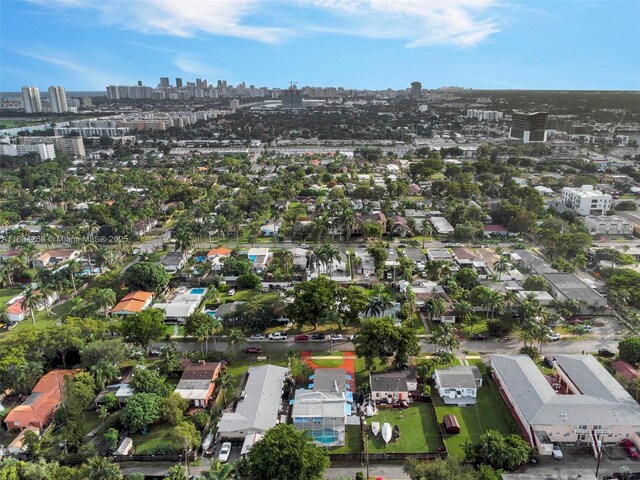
pixel 32 300
pixel 502 266
pixel 436 308
pixel 104 371
pixel 235 339
pixel 218 471
pixel 47 291
pixel 104 298
pixel 427 230
pixel 445 338
pixel 330 254
pixel 214 327
pixel 410 301
pixel 225 383
pixel 88 249
pixel 463 309
pixel 73 267
pixel 378 304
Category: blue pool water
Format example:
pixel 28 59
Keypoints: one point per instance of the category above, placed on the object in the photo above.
pixel 197 291
pixel 201 258
pixel 211 313
pixel 325 436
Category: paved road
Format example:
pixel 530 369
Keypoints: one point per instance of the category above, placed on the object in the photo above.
pixel 606 335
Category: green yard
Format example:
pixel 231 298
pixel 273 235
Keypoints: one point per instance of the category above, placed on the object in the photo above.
pixel 353 441
pixel 490 413
pixel 158 437
pixel 418 430
pixel 328 362
pixel 42 321
pixel 7 294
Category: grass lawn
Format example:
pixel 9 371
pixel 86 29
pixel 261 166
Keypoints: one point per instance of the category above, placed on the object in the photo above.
pixel 417 324
pixel 479 327
pixel 242 362
pixel 158 436
pixel 156 256
pixel 490 413
pixel 42 321
pixel 418 430
pixel 7 294
pixel 353 441
pixel 327 362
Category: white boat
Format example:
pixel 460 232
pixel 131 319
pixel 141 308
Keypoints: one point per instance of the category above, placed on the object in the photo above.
pixel 375 428
pixel 386 432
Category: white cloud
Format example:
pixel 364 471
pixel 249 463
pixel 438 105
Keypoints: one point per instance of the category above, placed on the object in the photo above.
pixel 418 22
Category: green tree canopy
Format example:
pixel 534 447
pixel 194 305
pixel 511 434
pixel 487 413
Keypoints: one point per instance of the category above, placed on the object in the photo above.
pixel 501 452
pixel 147 276
pixel 143 328
pixel 285 453
pixel 142 410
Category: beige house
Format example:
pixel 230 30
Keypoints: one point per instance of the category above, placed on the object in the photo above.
pixel 578 400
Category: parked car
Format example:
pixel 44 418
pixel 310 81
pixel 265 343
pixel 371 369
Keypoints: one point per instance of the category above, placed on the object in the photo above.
pixel 319 337
pixel 225 451
pixel 553 336
pixel 575 321
pixel 303 245
pixel 402 245
pixel 336 337
pixel 603 352
pixel 231 292
pixel 548 362
pixel 479 336
pixel 366 276
pixel 630 448
pixel 556 452
pixel 301 338
pixel 253 350
pixel 258 336
pixel 453 245
pixel 278 336
pixel 586 328
pixel 155 352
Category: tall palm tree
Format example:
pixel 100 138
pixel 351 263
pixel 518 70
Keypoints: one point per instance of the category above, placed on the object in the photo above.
pixel 330 254
pixel 236 339
pixel 445 337
pixel 214 327
pixel 427 230
pixel 225 383
pixel 436 308
pixel 48 291
pixel 104 298
pixel 73 267
pixel 502 266
pixel 32 300
pixel 463 309
pixel 89 249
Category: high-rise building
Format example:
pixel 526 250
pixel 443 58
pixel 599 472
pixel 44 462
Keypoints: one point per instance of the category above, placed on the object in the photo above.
pixel 87 101
pixel 164 82
pixel 31 99
pixel 58 100
pixel 139 83
pixel 416 90
pixel 178 82
pixel 292 98
pixel 529 127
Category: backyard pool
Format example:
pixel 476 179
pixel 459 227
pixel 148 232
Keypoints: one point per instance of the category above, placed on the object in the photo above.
pixel 211 313
pixel 325 435
pixel 197 291
pixel 201 258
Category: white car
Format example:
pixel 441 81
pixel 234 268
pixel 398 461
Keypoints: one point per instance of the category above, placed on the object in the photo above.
pixel 366 276
pixel 258 336
pixel 225 451
pixel 303 245
pixel 336 338
pixel 556 452
pixel 553 336
pixel 278 336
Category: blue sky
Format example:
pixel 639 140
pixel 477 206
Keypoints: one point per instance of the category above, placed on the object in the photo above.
pixel 494 44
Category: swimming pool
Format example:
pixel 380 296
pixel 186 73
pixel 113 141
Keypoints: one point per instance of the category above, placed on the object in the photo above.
pixel 211 313
pixel 325 435
pixel 201 258
pixel 197 291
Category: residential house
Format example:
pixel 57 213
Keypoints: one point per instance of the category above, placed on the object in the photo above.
pixel 259 406
pixel 323 408
pixel 182 303
pixel 391 386
pixel 567 286
pixel 52 258
pixel 17 446
pixel 625 370
pixel 143 227
pixel 458 385
pixel 17 309
pixel 494 230
pixel 580 399
pixel 441 225
pixel 259 258
pixel 122 391
pixel 377 217
pixel 217 256
pixel 39 407
pixel 398 226
pixel 197 383
pixel 439 255
pixel 543 298
pixel 173 261
pixel 133 302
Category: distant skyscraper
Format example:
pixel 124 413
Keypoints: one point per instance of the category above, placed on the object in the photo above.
pixel 529 127
pixel 292 97
pixel 58 100
pixel 416 90
pixel 178 82
pixel 31 99
pixel 139 83
pixel 164 82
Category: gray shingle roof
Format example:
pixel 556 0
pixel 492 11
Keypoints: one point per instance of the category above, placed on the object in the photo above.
pixel 603 400
pixel 258 410
pixel 458 377
pixel 388 382
pixel 325 379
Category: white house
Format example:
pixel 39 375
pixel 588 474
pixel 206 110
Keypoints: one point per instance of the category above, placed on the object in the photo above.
pixel 390 386
pixel 458 385
pixel 585 200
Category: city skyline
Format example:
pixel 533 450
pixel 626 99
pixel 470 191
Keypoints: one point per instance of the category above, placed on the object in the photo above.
pixel 361 44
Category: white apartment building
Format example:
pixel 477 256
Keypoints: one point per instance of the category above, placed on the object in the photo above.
pixel 486 115
pixel 608 225
pixel 44 151
pixel 71 146
pixel 31 99
pixel 58 100
pixel 586 201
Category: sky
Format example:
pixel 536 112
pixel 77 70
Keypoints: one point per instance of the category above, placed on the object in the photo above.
pixel 375 44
